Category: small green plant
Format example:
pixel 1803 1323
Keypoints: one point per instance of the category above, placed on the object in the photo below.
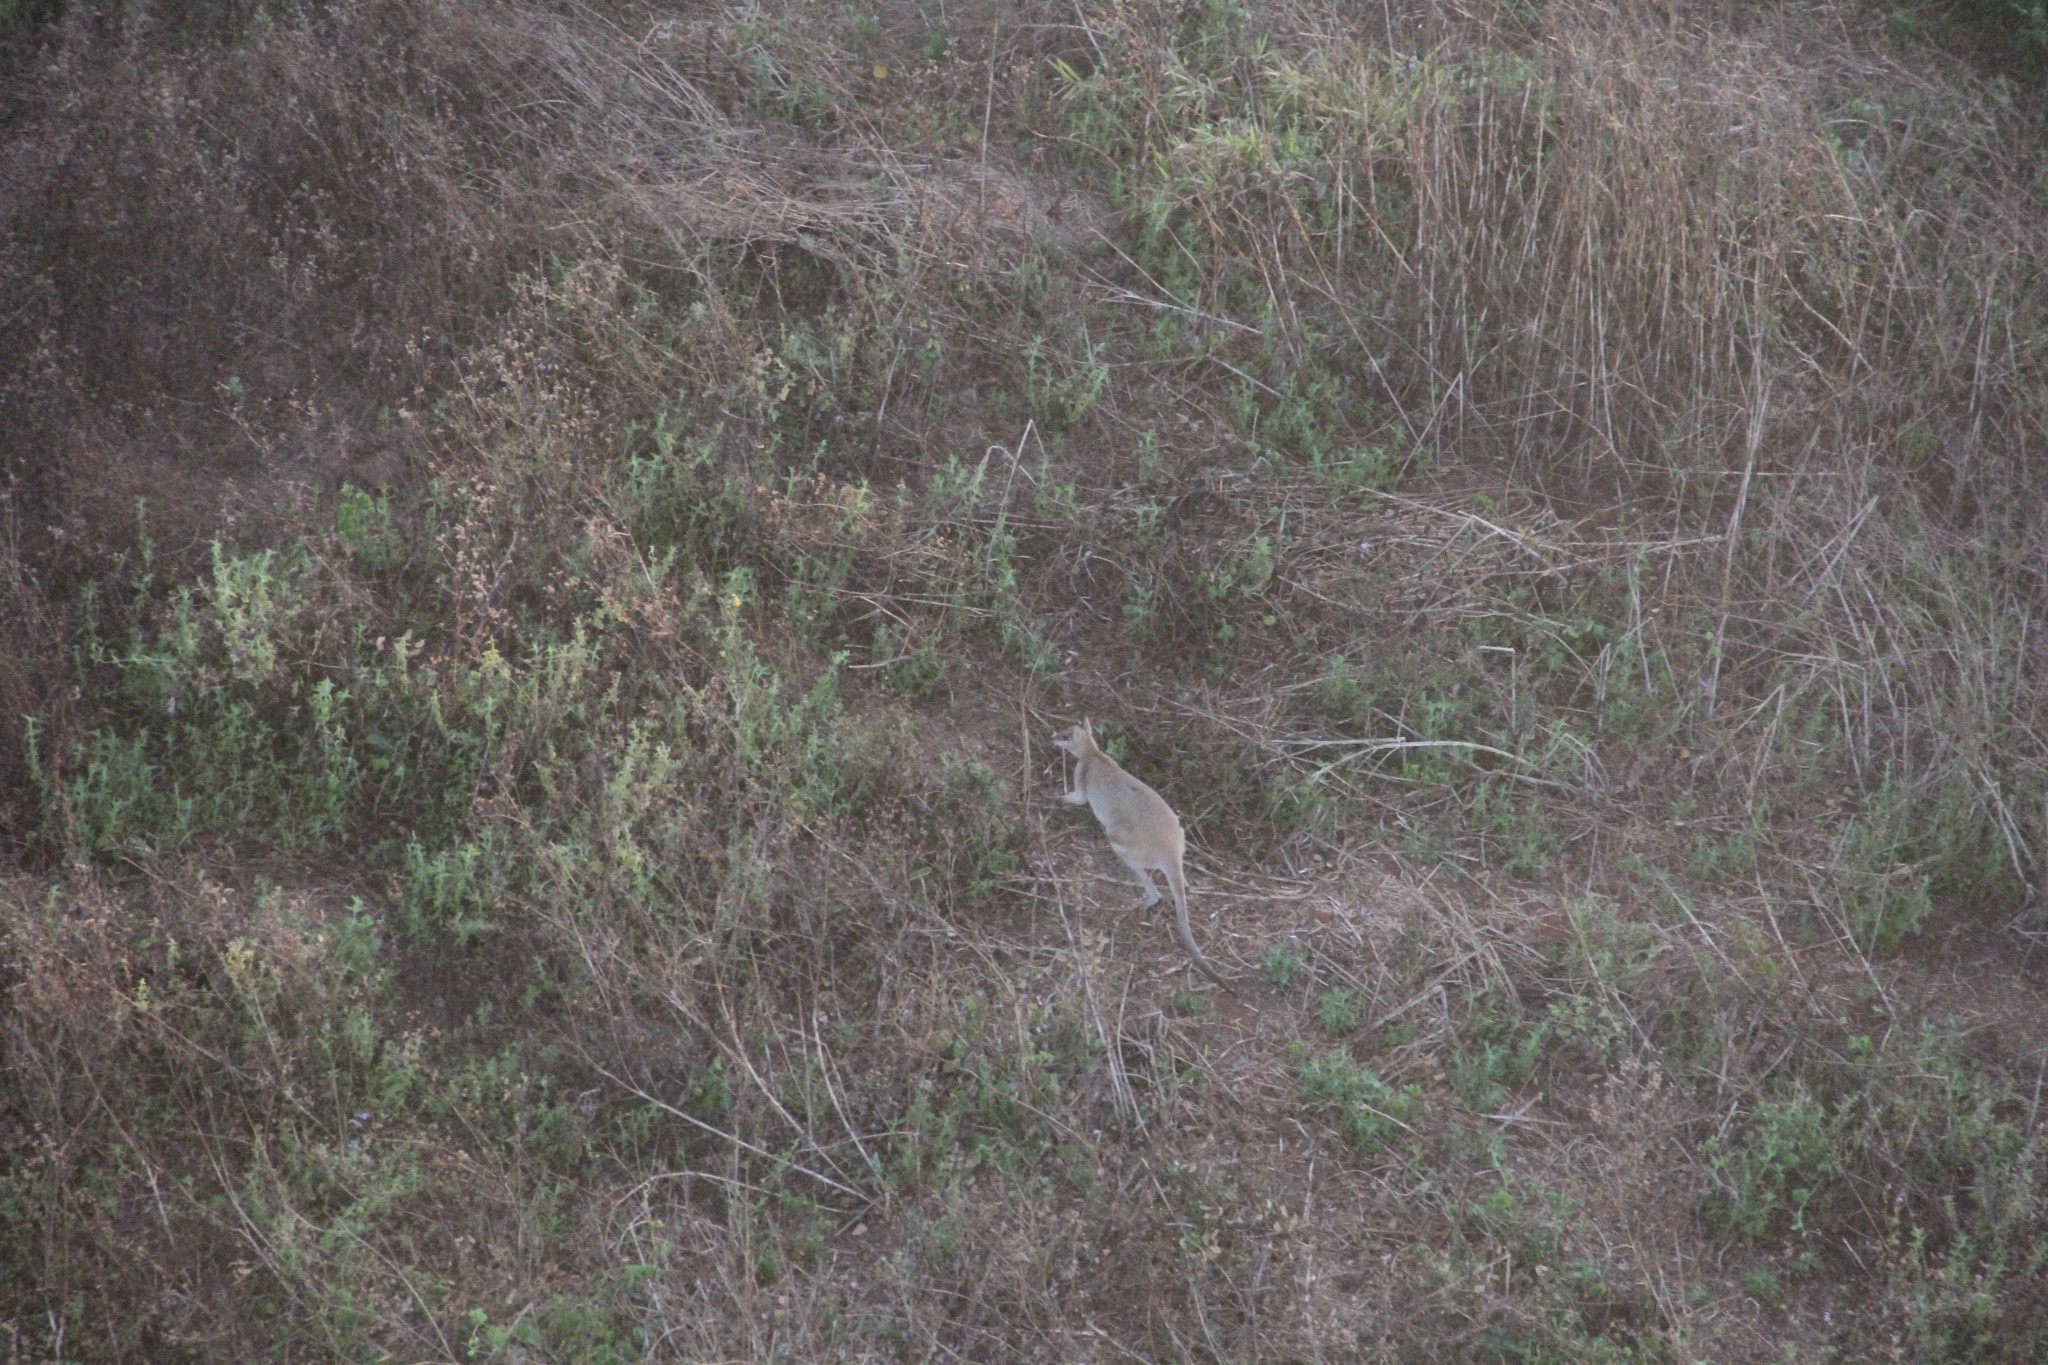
pixel 1150 461
pixel 1342 693
pixel 363 524
pixel 1138 611
pixel 1061 395
pixel 1282 962
pixel 253 600
pixel 1883 890
pixel 1146 519
pixel 676 494
pixel 1727 859
pixel 1497 1048
pixel 117 799
pixel 1337 1011
pixel 1237 580
pixel 451 891
pixel 1519 839
pixel 1359 467
pixel 1312 802
pixel 915 669
pixel 1029 641
pixel 972 823
pixel 1766 1177
pixel 1366 1111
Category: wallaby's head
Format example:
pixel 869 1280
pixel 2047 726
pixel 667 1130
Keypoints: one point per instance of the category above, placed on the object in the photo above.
pixel 1077 741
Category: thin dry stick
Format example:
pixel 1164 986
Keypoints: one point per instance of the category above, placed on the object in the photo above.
pixel 987 113
pixel 825 1070
pixel 1433 988
pixel 1119 1082
pixel 732 1047
pixel 1760 402
pixel 1364 748
pixel 736 1142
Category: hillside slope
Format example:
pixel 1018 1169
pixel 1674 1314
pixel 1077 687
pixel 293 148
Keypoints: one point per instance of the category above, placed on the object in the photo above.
pixel 545 544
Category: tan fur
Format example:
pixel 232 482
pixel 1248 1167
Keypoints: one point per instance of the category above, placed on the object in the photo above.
pixel 1142 828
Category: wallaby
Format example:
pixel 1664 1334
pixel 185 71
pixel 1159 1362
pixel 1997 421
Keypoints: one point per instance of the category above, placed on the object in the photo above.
pixel 1141 827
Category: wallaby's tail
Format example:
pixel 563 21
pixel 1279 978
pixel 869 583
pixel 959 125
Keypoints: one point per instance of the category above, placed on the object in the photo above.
pixel 1177 882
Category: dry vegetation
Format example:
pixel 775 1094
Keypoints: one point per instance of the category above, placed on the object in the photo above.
pixel 543 543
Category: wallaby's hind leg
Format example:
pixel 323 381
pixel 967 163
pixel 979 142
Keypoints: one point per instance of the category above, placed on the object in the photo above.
pixel 1143 875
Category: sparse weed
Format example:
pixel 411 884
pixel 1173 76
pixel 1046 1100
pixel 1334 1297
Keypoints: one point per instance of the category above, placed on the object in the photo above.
pixel 1309 805
pixel 1783 1158
pixel 1337 1011
pixel 1282 963
pixel 916 670
pixel 453 891
pixel 1519 839
pixel 1362 467
pixel 1366 1111
pixel 1061 393
pixel 1345 696
pixel 1502 1050
pixel 1884 892
pixel 970 823
pixel 364 525
pixel 1138 611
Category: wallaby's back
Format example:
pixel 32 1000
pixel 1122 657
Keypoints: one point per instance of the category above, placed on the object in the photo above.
pixel 1130 811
